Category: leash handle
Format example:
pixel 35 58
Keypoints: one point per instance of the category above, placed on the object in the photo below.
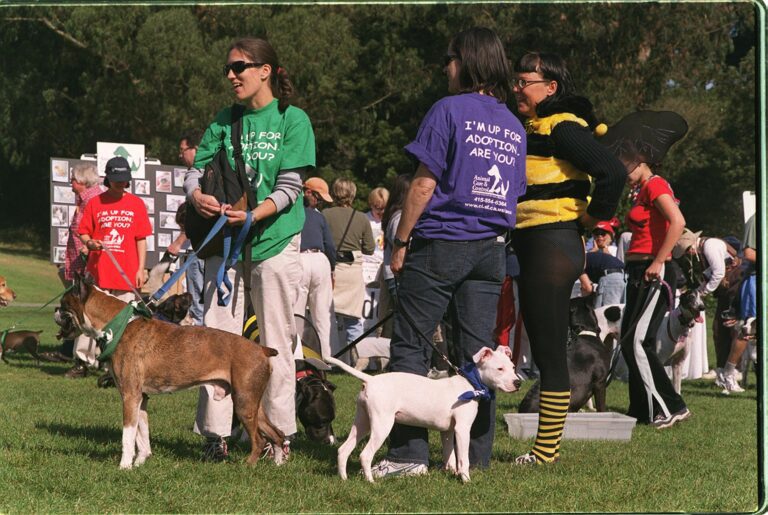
pixel 183 268
pixel 230 259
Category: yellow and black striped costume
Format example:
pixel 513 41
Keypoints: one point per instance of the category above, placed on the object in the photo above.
pixel 556 190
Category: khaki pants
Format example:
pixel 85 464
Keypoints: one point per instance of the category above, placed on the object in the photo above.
pixel 316 292
pixel 274 285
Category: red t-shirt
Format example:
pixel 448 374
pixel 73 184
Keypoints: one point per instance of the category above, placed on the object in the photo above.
pixel 645 221
pixel 117 223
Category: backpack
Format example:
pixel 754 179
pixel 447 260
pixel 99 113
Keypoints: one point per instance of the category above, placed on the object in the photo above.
pixel 228 186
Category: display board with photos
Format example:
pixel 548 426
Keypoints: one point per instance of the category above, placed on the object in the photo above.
pixel 161 189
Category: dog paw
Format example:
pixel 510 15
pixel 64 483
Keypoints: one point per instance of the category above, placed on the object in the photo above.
pixel 126 466
pixel 140 459
pixel 464 478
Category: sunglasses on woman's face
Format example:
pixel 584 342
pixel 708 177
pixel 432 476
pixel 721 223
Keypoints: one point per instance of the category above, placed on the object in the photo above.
pixel 239 67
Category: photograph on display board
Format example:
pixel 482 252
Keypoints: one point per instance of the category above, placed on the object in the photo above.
pixel 150 203
pixel 141 187
pixel 163 240
pixel 172 202
pixel 63 236
pixel 59 254
pixel 59 216
pixel 63 195
pixel 59 170
pixel 72 211
pixel 178 177
pixel 163 181
pixel 152 222
pixel 168 220
pixel 150 243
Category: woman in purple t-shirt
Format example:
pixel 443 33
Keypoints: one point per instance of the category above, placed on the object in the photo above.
pixel 448 248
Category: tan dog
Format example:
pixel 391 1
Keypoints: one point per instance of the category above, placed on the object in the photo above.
pixel 157 357
pixel 7 295
pixel 21 340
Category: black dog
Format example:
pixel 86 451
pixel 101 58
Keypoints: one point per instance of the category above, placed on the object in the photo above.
pixel 174 309
pixel 315 405
pixel 589 361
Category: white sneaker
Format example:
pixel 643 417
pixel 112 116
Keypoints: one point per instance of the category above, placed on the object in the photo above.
pixel 712 374
pixel 386 468
pixel 731 384
pixel 719 380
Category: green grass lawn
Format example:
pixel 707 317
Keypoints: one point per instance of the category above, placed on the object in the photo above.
pixel 60 449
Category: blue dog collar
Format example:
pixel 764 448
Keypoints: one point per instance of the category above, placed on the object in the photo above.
pixel 480 392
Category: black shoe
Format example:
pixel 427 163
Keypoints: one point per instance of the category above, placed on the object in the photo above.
pixel 79 370
pixel 106 381
pixel 215 449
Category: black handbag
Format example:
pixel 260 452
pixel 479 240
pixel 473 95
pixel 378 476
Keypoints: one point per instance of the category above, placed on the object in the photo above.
pixel 227 186
pixel 345 256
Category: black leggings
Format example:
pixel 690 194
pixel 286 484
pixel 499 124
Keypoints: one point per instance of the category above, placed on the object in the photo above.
pixel 551 261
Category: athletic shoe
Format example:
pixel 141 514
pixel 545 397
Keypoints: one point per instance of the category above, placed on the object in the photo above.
pixel 662 422
pixel 731 384
pixel 719 379
pixel 386 468
pixel 530 459
pixel 280 455
pixel 709 376
pixel 79 370
pixel 215 449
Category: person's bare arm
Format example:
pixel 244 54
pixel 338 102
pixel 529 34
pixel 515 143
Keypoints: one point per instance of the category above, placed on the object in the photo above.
pixel 419 194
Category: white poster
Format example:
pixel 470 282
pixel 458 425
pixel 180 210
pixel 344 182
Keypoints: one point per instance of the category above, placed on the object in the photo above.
pixel 134 154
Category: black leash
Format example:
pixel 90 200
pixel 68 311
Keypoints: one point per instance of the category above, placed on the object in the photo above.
pixel 364 335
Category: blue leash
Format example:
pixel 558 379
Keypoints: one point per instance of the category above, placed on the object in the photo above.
pixel 230 259
pixel 175 277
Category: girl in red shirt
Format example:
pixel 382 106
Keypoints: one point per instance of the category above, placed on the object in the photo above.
pixel 641 140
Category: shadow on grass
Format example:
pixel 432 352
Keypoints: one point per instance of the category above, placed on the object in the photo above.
pixel 111 435
pixel 15 250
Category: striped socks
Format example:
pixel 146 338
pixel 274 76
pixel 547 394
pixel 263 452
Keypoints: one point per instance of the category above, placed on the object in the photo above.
pixel 552 412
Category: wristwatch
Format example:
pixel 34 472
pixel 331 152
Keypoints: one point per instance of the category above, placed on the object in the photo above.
pixel 400 243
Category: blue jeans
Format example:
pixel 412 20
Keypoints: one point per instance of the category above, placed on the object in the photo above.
pixel 610 289
pixel 195 275
pixel 467 275
pixel 353 327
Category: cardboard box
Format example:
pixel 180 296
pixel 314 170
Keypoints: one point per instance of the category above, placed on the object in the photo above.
pixel 578 426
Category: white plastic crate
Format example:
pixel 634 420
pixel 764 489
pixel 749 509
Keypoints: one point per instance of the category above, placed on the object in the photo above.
pixel 578 426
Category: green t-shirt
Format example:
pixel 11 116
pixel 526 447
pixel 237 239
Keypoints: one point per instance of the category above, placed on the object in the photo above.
pixel 272 141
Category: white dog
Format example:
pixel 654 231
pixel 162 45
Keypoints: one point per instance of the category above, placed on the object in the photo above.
pixel 422 402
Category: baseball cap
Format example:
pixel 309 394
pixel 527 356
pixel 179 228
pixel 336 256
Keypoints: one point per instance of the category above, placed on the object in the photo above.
pixel 320 187
pixel 118 170
pixel 686 239
pixel 604 226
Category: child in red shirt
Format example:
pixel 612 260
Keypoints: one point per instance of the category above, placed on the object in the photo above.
pixel 117 221
pixel 641 140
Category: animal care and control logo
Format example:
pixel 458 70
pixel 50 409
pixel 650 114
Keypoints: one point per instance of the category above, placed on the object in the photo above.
pixel 259 147
pixel 132 153
pixel 501 148
pixel 134 162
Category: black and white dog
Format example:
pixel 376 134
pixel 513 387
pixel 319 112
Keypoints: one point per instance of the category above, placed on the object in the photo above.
pixel 589 361
pixel 673 337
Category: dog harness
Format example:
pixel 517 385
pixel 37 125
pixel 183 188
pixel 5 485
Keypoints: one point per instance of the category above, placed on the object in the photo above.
pixel 480 392
pixel 114 330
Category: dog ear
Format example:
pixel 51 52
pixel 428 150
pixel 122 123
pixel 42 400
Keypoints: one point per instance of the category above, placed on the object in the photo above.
pixel 506 350
pixel 482 355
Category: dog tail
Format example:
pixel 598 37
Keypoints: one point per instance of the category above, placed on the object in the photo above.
pixel 346 368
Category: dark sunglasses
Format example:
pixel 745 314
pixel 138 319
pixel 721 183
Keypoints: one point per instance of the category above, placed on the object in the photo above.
pixel 522 83
pixel 599 232
pixel 448 58
pixel 239 67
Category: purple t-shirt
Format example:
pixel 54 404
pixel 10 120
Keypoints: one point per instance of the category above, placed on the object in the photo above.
pixel 476 148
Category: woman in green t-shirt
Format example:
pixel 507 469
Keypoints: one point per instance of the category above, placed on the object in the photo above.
pixel 278 147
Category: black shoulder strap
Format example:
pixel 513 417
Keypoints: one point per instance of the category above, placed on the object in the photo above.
pixel 237 153
pixel 344 236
